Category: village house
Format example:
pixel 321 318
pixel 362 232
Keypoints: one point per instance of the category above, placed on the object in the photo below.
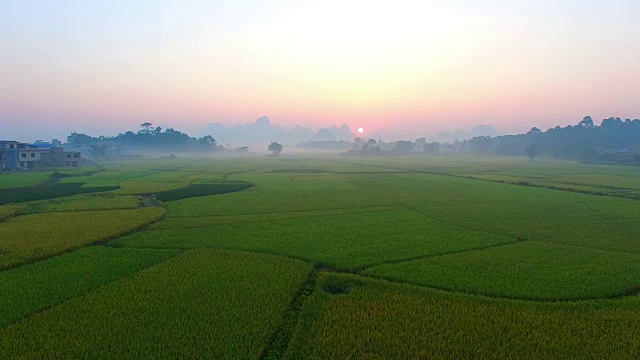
pixel 57 157
pixel 15 155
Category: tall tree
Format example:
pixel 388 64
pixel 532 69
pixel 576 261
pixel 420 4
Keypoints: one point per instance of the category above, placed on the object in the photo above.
pixel 208 142
pixel 80 139
pixel 587 122
pixel 532 150
pixel 147 127
pixel 275 148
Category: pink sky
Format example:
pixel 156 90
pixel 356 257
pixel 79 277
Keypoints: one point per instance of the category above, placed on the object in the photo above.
pixel 406 70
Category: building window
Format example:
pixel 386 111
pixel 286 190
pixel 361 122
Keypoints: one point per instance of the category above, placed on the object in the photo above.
pixel 23 164
pixel 24 155
pixel 33 155
pixel 11 146
pixel 76 155
pixel 68 156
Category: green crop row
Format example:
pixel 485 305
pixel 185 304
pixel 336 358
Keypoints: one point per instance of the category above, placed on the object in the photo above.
pixel 530 213
pixel 7 211
pixel 84 203
pixel 37 286
pixel 25 180
pixel 345 241
pixel 199 304
pixel 529 270
pixel 614 180
pixel 31 237
pixel 151 187
pixel 195 190
pixel 349 317
pixel 41 193
pixel 186 222
pixel 283 193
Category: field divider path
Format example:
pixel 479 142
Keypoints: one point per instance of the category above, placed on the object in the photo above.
pixel 554 187
pixel 422 257
pixel 633 291
pixel 518 239
pixel 225 176
pixel 279 341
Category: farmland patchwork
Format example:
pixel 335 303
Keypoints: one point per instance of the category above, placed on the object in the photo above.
pixel 322 257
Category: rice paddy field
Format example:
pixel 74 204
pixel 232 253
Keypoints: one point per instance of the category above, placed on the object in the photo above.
pixel 334 257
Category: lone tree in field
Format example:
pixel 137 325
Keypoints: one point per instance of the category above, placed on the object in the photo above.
pixel 275 148
pixel 532 151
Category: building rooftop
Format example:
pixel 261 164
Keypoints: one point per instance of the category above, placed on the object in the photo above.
pixel 44 145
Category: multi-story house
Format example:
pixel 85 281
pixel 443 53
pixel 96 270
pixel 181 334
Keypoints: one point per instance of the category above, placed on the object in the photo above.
pixel 57 157
pixel 29 157
pixel 17 155
pixel 8 154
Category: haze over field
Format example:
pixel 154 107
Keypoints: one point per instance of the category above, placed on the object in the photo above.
pixel 399 69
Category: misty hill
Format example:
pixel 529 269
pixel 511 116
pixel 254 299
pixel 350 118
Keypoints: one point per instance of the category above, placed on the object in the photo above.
pixel 460 135
pixel 260 132
pixel 264 132
pixel 334 133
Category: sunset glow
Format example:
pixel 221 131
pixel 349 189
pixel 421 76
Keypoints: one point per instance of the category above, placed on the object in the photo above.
pixel 407 68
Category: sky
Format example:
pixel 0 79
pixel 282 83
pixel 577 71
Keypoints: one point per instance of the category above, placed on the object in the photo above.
pixel 404 69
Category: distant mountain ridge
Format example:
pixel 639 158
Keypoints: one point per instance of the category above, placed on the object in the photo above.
pixel 262 131
pixel 460 135
pixel 334 133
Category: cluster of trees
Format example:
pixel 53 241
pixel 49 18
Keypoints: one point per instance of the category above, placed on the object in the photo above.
pixel 148 137
pixel 154 138
pixel 327 145
pixel 584 141
pixel 373 147
pixel 368 147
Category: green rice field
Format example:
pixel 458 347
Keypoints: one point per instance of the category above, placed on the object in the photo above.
pixel 332 257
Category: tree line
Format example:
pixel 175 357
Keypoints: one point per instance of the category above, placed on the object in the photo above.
pixel 148 137
pixel 614 140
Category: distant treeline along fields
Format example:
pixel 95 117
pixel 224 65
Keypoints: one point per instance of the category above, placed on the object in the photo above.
pixel 614 140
